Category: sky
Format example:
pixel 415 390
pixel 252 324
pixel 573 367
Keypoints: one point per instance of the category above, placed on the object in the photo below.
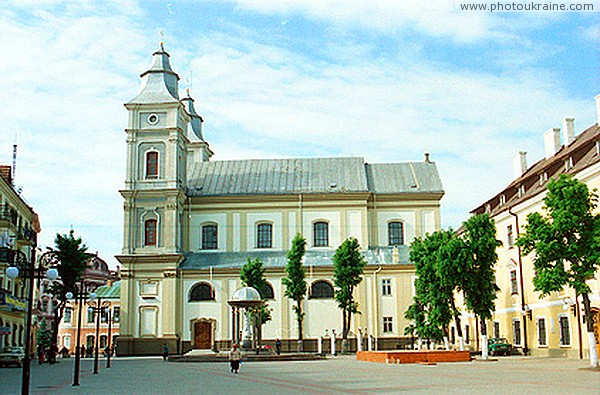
pixel 384 80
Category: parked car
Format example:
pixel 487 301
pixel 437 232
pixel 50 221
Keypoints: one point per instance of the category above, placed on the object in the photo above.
pixel 12 355
pixel 499 346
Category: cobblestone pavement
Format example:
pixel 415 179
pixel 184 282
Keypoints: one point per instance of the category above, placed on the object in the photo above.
pixel 341 375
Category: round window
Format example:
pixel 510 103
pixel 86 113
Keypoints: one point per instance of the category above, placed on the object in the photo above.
pixel 152 119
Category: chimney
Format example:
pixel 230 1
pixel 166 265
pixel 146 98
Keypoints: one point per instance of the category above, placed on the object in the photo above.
pixel 568 131
pixel 551 142
pixel 520 163
pixel 427 157
pixel 598 108
pixel 5 173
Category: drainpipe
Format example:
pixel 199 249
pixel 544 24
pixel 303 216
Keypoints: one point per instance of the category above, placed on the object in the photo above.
pixel 376 305
pixel 523 305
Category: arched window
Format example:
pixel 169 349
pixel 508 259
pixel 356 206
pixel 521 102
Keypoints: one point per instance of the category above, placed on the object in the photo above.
pixel 151 164
pixel 209 237
pixel 267 292
pixel 395 233
pixel 201 291
pixel 150 232
pixel 321 290
pixel 264 236
pixel 320 234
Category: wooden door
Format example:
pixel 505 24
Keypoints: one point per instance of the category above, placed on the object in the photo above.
pixel 203 335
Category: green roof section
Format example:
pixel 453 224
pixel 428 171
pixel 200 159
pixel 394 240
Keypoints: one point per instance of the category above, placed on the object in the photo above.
pixel 109 291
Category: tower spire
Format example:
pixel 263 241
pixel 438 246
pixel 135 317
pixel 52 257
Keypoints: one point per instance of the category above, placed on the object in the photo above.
pixel 159 82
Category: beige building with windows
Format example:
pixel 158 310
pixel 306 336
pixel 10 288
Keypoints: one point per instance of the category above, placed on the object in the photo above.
pixel 192 223
pixel 554 325
pixel 18 231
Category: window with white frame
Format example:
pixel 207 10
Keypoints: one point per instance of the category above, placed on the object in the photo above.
pixel 386 286
pixel 209 237
pixel 320 234
pixel 68 315
pixel 150 230
pixel 513 282
pixel 152 164
pixel 467 334
pixel 90 315
pixel 541 327
pixel 264 236
pixel 395 233
pixel 388 324
pixel 496 329
pixel 565 330
pixel 509 236
pixel 116 314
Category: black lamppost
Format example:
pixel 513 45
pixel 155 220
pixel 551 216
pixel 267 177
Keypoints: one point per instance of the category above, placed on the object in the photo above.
pixel 80 296
pixel 28 271
pixel 96 309
pixel 107 306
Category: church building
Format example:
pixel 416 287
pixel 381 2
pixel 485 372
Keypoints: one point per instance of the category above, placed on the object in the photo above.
pixel 191 223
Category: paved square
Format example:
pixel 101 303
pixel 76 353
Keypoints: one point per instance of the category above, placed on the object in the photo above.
pixel 342 375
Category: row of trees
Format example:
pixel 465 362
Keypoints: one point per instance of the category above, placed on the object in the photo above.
pixel 348 263
pixel 564 241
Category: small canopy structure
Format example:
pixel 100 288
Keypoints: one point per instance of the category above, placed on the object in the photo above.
pixel 244 299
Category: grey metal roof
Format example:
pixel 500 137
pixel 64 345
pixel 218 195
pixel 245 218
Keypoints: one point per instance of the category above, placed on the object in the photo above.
pixel 403 177
pixel 160 82
pixel 310 175
pixel 194 132
pixel 277 176
pixel 277 259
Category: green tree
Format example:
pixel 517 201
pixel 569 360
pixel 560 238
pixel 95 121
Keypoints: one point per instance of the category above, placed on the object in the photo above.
pixel 566 242
pixel 348 266
pixel 295 281
pixel 72 257
pixel 253 275
pixel 434 257
pixel 44 336
pixel 480 287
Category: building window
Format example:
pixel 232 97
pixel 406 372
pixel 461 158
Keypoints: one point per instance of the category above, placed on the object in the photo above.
pixel 104 315
pixel 542 332
pixel 116 314
pixel 565 333
pixel 150 232
pixel 395 233
pixel 467 334
pixel 509 236
pixel 68 315
pixel 496 329
pixel 388 323
pixel 201 292
pixel 152 164
pixel 267 292
pixel 517 332
pixel 90 340
pixel 103 342
pixel 513 282
pixel 209 237
pixel 264 236
pixel 67 341
pixel 321 290
pixel 386 286
pixel 320 234
pixel 90 315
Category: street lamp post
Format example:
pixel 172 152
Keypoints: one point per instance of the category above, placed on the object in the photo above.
pixel 96 340
pixel 107 305
pixel 28 271
pixel 80 297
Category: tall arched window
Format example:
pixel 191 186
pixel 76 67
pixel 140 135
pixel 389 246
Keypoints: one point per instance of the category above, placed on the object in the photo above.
pixel 395 233
pixel 201 291
pixel 267 292
pixel 151 164
pixel 264 236
pixel 150 226
pixel 321 289
pixel 209 237
pixel 321 234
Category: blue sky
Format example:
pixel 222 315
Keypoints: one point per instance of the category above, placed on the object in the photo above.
pixel 385 80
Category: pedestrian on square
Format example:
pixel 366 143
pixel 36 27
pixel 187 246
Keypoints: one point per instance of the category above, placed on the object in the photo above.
pixel 82 351
pixel 235 357
pixel 40 353
pixel 165 351
pixel 278 346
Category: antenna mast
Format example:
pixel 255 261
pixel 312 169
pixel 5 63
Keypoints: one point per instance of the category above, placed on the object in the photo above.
pixel 14 164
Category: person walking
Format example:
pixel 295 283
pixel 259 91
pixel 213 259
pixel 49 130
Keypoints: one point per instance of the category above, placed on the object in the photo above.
pixel 235 357
pixel 165 351
pixel 278 346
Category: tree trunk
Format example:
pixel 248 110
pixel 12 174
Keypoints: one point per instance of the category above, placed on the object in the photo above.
pixel 300 319
pixel 589 324
pixel 461 342
pixel 484 340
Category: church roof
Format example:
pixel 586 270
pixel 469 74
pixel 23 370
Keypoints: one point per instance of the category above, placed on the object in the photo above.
pixel 278 259
pixel 311 175
pixel 159 83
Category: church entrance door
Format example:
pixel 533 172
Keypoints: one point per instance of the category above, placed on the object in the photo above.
pixel 203 335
